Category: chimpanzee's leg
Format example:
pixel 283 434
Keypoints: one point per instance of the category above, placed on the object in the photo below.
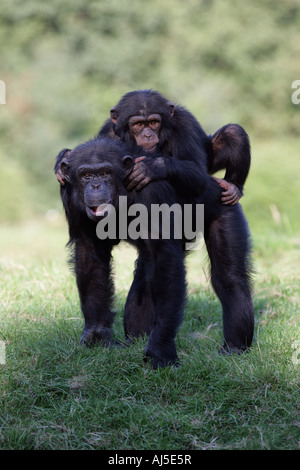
pixel 168 290
pixel 231 151
pixel 138 312
pixel 95 287
pixel 228 243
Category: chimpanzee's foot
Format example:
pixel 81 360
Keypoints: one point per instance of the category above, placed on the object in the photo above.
pixel 228 350
pixel 92 335
pixel 162 355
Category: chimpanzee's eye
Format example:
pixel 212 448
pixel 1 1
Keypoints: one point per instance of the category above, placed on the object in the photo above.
pixel 86 175
pixel 139 125
pixel 154 124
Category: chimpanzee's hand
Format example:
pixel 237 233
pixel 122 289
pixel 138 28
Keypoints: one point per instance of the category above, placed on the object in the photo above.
pixel 231 195
pixel 146 169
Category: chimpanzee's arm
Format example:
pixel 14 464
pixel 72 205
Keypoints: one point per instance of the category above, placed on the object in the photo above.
pixel 184 175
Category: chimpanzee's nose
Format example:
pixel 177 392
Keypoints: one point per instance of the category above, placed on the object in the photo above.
pixel 148 132
pixel 96 185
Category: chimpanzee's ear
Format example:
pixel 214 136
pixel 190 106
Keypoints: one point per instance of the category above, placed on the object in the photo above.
pixel 114 114
pixel 63 171
pixel 128 163
pixel 171 107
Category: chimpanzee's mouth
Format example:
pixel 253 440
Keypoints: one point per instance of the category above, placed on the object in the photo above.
pixel 149 147
pixel 98 211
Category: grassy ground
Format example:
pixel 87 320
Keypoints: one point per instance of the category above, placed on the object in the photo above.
pixel 55 394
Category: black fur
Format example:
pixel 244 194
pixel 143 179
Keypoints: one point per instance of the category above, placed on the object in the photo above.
pixel 230 149
pixel 164 259
pixel 182 138
pixel 189 156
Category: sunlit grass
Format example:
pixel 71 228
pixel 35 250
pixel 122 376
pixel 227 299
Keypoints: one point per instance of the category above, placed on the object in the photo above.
pixel 55 394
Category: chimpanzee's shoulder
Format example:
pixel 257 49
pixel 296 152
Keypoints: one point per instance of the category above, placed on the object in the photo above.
pixel 184 121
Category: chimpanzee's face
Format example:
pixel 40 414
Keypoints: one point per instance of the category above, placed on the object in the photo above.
pixel 97 188
pixel 95 176
pixel 143 115
pixel 145 130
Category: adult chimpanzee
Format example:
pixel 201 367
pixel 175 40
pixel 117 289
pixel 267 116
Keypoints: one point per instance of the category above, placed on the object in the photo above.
pixel 145 119
pixel 94 175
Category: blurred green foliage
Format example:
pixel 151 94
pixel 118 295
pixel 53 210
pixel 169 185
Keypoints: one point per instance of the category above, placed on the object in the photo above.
pixel 66 63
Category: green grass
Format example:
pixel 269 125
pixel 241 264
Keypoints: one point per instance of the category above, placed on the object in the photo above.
pixel 55 394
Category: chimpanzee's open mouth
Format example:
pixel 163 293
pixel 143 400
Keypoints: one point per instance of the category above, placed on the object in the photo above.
pixel 98 211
